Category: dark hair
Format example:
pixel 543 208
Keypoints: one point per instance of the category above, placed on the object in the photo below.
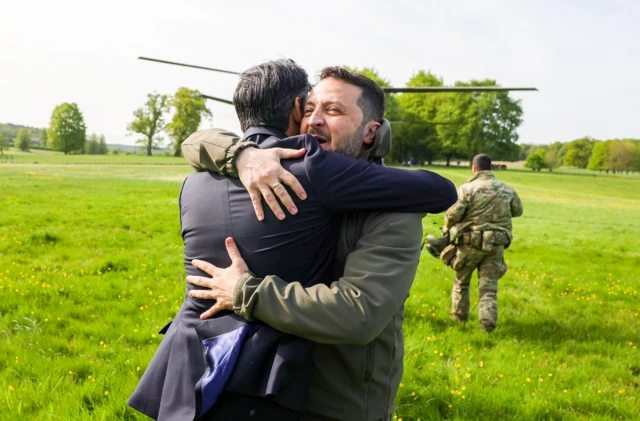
pixel 482 162
pixel 266 92
pixel 371 101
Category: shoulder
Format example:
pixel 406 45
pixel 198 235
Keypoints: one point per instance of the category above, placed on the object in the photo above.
pixel 468 187
pixel 504 186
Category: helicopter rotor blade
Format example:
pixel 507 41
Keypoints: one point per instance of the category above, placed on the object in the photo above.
pixel 213 98
pixel 426 123
pixel 188 65
pixel 454 89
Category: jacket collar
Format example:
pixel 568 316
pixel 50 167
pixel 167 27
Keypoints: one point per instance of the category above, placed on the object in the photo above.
pixel 263 132
pixel 487 174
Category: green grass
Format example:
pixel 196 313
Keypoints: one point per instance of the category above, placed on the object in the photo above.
pixel 91 268
pixel 45 156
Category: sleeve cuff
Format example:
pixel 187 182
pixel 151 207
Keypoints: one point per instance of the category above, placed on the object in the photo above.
pixel 232 153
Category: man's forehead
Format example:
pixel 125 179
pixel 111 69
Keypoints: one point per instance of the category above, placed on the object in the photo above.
pixel 334 90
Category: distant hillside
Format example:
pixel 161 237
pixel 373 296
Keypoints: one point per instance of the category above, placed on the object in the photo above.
pixel 11 131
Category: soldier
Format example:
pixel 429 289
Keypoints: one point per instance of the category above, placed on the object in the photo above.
pixel 479 223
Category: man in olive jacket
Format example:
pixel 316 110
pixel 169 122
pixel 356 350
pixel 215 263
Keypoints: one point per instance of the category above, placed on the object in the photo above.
pixel 356 320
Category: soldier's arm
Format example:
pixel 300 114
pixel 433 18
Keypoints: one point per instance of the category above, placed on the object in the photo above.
pixel 516 205
pixel 214 150
pixel 219 151
pixel 356 308
pixel 456 212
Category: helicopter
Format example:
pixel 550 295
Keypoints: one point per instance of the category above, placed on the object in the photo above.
pixel 389 90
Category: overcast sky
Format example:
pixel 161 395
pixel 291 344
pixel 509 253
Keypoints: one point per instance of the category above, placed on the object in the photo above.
pixel 583 56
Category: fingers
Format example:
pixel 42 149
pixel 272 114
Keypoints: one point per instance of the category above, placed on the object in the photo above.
pixel 271 201
pixel 204 294
pixel 256 200
pixel 289 153
pixel 289 179
pixel 216 308
pixel 284 197
pixel 200 281
pixel 205 266
pixel 234 253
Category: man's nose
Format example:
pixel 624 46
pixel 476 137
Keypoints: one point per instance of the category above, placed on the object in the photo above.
pixel 317 118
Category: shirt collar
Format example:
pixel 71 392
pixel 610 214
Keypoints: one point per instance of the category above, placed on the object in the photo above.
pixel 260 131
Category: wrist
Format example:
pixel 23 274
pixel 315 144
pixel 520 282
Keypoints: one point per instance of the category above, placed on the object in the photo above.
pixel 238 291
pixel 240 154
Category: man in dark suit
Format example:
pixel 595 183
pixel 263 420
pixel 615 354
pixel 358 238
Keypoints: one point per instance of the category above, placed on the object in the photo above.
pixel 225 367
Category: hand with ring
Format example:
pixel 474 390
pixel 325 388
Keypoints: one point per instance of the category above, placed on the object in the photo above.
pixel 263 176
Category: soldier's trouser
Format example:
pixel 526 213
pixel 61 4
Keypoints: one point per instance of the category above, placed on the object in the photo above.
pixel 491 267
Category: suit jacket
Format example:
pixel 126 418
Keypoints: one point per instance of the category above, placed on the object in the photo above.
pixel 195 356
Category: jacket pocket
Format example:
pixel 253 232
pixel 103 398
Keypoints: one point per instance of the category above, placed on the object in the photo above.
pixel 460 259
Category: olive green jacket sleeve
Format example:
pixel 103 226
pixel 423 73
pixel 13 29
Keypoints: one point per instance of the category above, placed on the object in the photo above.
pixel 214 150
pixel 355 309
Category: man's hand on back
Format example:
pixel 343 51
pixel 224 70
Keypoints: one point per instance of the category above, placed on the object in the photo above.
pixel 262 175
pixel 222 281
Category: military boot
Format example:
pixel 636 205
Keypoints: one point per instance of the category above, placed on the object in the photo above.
pixel 488 327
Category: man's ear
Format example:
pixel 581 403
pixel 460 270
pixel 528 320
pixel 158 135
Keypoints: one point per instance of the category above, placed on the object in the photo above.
pixel 370 132
pixel 296 112
pixel 295 119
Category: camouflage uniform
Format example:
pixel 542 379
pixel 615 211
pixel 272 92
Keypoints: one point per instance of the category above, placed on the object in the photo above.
pixel 480 224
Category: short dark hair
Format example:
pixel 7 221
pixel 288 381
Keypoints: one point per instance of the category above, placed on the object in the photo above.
pixel 482 162
pixel 371 101
pixel 266 92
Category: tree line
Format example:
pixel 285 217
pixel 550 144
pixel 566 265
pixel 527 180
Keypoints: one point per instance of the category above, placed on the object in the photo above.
pixel 447 126
pixel 615 155
pixel 66 133
pixel 426 126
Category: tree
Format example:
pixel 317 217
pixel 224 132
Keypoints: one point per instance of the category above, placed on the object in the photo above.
pixel 622 156
pixel 551 159
pixel 149 120
pixel 487 122
pixel 4 143
pixel 536 160
pixel 43 138
pixel 525 151
pixel 189 107
pixel 599 157
pixel 579 152
pixel 23 139
pixel 67 130
pixel 103 149
pixel 91 146
pixel 416 136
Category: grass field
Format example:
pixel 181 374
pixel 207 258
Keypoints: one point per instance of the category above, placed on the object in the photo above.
pixel 43 156
pixel 90 269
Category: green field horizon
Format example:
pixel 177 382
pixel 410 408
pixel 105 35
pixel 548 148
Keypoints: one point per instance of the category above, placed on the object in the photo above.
pixel 91 268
